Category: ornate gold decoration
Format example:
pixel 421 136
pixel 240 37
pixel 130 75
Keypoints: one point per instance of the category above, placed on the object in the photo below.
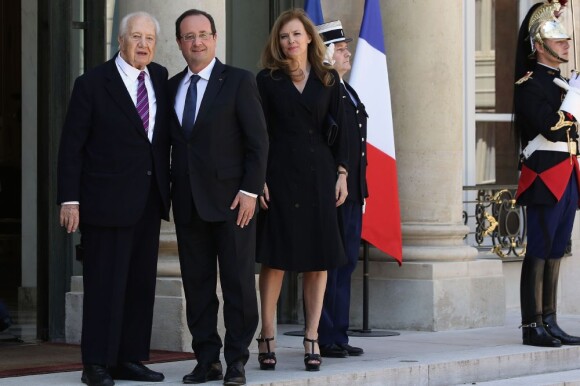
pixel 545 12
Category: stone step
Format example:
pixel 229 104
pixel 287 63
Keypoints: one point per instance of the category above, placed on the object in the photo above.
pixel 484 356
pixel 562 378
pixel 498 365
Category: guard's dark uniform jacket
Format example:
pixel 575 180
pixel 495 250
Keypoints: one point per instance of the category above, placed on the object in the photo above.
pixel 356 122
pixel 545 174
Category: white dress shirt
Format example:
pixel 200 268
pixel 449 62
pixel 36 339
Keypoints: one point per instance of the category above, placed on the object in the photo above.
pixel 184 85
pixel 129 75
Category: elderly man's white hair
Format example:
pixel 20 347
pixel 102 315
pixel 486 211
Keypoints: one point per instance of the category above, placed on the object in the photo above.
pixel 123 26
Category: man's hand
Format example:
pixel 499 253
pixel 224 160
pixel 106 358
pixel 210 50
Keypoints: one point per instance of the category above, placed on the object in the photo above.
pixel 571 102
pixel 247 208
pixel 69 217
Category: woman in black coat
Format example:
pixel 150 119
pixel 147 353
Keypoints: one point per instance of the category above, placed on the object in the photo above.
pixel 306 175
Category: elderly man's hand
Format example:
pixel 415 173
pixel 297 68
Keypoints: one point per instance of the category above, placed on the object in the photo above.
pixel 69 217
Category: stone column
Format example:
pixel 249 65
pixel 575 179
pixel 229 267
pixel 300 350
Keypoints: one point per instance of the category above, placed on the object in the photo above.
pixel 440 285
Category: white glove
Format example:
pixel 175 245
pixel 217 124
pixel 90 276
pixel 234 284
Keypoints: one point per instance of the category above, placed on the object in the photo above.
pixel 574 79
pixel 328 55
pixel 571 102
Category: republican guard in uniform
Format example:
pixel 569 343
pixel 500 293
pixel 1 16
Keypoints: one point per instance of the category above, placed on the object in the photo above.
pixel 547 108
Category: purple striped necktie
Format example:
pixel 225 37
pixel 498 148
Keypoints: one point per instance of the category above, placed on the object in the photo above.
pixel 143 101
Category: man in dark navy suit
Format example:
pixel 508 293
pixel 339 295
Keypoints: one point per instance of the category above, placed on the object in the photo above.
pixel 218 168
pixel 334 321
pixel 113 183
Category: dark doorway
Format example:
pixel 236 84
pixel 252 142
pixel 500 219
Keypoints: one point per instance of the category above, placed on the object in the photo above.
pixel 10 152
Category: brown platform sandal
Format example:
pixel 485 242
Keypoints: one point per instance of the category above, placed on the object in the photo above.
pixel 311 356
pixel 267 356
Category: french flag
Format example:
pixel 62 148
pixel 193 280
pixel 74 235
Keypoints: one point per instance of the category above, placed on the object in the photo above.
pixel 369 77
pixel 313 9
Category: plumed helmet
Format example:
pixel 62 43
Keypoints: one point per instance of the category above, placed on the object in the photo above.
pixel 544 23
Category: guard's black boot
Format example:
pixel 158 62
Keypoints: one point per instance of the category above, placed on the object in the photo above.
pixel 549 304
pixel 531 290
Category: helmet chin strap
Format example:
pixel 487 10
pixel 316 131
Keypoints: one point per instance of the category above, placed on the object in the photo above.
pixel 555 55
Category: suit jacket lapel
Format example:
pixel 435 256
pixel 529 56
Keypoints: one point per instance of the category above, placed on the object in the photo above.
pixel 120 95
pixel 216 80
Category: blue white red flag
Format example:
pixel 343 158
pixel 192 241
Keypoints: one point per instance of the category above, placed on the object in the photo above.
pixel 369 77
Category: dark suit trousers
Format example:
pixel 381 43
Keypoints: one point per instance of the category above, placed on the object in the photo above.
pixel 334 321
pixel 201 246
pixel 119 274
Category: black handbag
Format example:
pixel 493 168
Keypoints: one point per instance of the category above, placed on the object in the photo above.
pixel 331 130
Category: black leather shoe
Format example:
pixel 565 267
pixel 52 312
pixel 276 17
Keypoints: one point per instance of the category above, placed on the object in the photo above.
pixel 333 351
pixel 352 351
pixel 204 373
pixel 96 375
pixel 235 374
pixel 135 371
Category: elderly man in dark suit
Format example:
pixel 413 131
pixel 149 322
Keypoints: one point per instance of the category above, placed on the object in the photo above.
pixel 334 321
pixel 113 183
pixel 219 151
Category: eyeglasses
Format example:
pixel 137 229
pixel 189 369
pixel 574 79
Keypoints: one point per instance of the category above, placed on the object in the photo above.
pixel 191 37
pixel 138 37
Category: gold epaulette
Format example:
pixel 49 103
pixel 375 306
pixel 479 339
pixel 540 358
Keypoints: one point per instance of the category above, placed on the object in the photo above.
pixel 525 77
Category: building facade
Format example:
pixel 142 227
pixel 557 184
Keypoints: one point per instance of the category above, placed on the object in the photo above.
pixel 451 77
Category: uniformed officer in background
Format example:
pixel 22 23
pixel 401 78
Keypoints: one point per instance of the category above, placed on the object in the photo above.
pixel 334 321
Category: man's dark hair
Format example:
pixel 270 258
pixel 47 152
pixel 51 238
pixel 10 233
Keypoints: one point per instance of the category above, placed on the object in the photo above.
pixel 193 12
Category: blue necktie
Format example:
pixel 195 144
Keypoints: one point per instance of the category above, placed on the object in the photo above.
pixel 189 109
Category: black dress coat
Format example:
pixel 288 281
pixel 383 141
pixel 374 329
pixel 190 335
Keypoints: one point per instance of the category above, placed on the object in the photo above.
pixel 299 231
pixel 537 101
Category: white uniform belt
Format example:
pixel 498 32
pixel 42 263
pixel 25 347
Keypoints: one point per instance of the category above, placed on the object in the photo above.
pixel 541 143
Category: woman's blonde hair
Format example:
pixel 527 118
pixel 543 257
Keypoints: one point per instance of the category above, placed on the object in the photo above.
pixel 274 59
